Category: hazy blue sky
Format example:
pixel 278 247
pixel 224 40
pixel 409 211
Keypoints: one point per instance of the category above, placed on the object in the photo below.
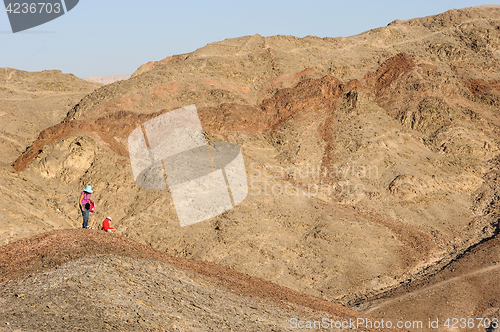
pixel 115 37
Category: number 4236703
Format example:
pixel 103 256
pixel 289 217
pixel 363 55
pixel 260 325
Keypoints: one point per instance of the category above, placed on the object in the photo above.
pixel 463 323
pixel 33 8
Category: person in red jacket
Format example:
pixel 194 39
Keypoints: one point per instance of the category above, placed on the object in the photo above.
pixel 106 225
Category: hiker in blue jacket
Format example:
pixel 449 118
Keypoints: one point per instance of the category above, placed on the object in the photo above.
pixel 85 205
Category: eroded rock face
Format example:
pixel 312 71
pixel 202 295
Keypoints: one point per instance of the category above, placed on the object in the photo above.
pixel 370 159
pixel 68 159
pixel 431 114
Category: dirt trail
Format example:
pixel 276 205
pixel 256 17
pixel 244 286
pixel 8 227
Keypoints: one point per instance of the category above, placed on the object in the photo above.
pixel 469 287
pixel 377 305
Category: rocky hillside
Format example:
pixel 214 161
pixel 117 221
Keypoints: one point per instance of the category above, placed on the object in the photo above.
pixel 30 103
pixel 95 281
pixel 372 160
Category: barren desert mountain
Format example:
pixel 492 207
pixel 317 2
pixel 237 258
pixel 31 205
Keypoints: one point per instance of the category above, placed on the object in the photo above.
pixel 372 161
pixel 31 102
pixel 107 79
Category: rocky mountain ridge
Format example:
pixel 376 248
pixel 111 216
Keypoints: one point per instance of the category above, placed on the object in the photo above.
pixel 92 280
